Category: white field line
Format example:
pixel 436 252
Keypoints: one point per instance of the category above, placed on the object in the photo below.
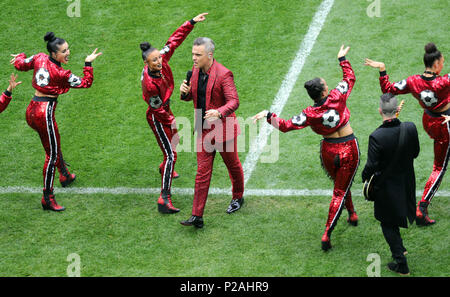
pixel 287 85
pixel 188 191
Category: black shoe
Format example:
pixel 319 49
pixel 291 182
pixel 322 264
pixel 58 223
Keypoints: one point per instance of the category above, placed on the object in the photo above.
pixel 235 205
pixel 326 245
pixel 401 269
pixel 193 221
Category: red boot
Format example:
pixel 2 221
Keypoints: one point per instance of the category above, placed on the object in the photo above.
pixel 66 180
pixel 326 242
pixel 422 218
pixel 353 219
pixel 49 203
pixel 65 177
pixel 165 205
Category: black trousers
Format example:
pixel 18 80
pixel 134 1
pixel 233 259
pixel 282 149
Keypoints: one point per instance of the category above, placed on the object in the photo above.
pixel 392 235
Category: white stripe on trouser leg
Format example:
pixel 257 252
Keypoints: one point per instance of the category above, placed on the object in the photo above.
pixel 346 191
pixel 435 186
pixel 50 172
pixel 167 173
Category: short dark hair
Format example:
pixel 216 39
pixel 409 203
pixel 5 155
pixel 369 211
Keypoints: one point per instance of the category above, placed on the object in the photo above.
pixel 146 49
pixel 388 104
pixel 53 42
pixel 315 87
pixel 431 54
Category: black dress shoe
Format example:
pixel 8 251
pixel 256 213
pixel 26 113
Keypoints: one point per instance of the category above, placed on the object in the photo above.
pixel 399 268
pixel 193 221
pixel 235 205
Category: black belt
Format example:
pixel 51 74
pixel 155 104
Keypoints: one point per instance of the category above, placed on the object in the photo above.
pixel 45 99
pixel 340 139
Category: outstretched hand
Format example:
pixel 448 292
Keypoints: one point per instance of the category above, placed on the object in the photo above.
pixel 446 119
pixel 200 18
pixel 93 56
pixel 375 64
pixel 13 83
pixel 343 51
pixel 13 60
pixel 259 116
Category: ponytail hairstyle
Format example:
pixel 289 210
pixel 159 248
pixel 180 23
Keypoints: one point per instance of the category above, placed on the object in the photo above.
pixel 315 87
pixel 146 49
pixel 53 42
pixel 431 55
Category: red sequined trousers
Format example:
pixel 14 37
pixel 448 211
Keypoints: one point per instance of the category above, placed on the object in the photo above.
pixel 206 152
pixel 432 124
pixel 340 159
pixel 167 139
pixel 40 116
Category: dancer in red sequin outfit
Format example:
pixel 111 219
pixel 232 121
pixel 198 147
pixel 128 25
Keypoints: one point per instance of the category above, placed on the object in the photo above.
pixel 157 87
pixel 339 152
pixel 432 91
pixel 50 80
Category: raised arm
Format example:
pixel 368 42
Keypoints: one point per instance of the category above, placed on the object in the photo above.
pixel 345 86
pixel 74 81
pixel 177 37
pixel 396 88
pixel 6 96
pixel 21 62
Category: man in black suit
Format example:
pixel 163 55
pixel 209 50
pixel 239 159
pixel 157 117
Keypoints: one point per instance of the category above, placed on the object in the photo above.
pixel 395 193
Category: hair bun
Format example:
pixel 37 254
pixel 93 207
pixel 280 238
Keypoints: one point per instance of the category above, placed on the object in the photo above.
pixel 49 37
pixel 309 85
pixel 145 46
pixel 313 85
pixel 430 48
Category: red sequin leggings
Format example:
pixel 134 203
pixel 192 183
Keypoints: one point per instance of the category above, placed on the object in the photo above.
pixel 167 139
pixel 432 124
pixel 340 159
pixel 40 116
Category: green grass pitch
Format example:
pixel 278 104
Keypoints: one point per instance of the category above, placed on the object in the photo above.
pixel 107 141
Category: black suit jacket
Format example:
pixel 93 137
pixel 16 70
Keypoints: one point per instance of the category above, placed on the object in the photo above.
pixel 395 198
